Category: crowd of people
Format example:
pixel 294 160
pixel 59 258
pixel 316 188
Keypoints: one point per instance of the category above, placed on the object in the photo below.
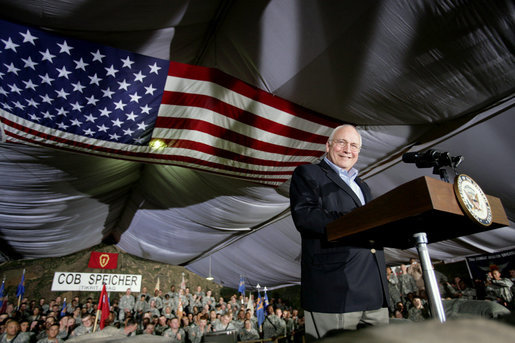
pixel 181 315
pixel 184 316
pixel 409 300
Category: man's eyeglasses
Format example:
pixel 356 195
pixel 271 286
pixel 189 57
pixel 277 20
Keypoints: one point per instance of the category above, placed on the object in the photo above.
pixel 342 143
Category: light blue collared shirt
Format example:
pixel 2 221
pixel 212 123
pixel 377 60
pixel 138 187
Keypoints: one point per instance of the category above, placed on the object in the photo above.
pixel 349 177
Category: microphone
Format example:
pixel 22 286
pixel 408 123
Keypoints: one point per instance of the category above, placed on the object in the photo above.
pixel 432 158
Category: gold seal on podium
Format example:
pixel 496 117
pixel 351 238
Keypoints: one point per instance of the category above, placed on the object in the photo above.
pixel 472 200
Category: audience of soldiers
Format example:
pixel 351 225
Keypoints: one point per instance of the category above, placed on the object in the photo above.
pixel 186 317
pixel 180 315
pixel 408 298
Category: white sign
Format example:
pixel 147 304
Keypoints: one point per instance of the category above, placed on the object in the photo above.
pixel 69 281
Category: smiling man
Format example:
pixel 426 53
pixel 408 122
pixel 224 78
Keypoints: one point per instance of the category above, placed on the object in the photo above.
pixel 342 286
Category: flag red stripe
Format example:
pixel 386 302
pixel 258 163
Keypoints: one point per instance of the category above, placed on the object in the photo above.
pixel 230 111
pixel 185 144
pixel 169 157
pixel 216 76
pixel 226 134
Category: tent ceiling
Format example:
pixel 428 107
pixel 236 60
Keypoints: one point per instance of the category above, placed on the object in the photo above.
pixel 426 74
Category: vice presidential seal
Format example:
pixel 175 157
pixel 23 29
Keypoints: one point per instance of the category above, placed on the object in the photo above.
pixel 473 200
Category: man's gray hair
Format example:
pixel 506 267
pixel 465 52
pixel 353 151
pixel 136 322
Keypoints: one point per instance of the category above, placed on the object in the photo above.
pixel 341 126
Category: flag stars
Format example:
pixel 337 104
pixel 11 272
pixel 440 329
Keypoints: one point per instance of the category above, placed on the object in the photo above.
pixel 31 102
pixel 92 100
pixel 11 68
pixel 34 117
pixel 119 105
pixel 18 105
pixel 102 128
pixel 46 98
pixel 135 97
pixel 76 106
pixel 146 109
pixel 65 48
pixel 6 106
pixel 97 56
pixel 46 79
pixel 94 80
pixel 28 37
pixel 76 122
pixel 89 132
pixel 29 63
pixel 62 94
pixel 117 122
pixel 90 118
pixel 62 112
pixel 47 56
pixel 124 85
pixel 111 71
pixel 139 76
pixel 47 115
pixel 80 64
pixel 30 84
pixel 142 126
pixel 62 126
pixel 63 72
pixel 14 88
pixel 131 116
pixel 128 132
pixel 105 112
pixel 78 87
pixel 9 44
pixel 154 68
pixel 108 92
pixel 3 91
pixel 114 137
pixel 150 90
pixel 127 62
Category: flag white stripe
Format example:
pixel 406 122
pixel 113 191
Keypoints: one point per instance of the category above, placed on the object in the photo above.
pixel 190 86
pixel 176 111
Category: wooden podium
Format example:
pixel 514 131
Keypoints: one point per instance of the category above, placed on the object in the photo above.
pixel 402 217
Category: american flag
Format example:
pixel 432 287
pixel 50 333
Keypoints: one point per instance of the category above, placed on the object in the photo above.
pixel 81 96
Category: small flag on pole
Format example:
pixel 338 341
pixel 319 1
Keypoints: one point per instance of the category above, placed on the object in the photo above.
pixel 266 299
pixel 241 287
pixel 2 293
pixel 103 307
pixel 260 311
pixel 183 282
pixel 63 310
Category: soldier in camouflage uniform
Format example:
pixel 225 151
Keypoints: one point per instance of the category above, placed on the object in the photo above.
pixel 175 333
pixel 248 333
pixel 197 332
pixel 12 333
pixel 393 288
pixel 274 325
pixel 126 304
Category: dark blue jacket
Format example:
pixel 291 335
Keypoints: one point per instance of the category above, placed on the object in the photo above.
pixel 336 278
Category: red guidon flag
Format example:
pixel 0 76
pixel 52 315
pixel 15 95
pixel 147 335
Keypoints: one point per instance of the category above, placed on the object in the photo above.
pixel 103 260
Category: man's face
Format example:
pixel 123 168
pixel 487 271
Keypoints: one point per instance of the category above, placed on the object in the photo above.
pixel 24 327
pixel 12 328
pixel 53 331
pixel 87 322
pixel 342 154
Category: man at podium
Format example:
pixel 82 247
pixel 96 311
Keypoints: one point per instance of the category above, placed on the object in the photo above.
pixel 343 286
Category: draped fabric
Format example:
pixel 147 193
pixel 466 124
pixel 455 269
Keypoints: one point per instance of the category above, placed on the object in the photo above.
pixel 412 75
